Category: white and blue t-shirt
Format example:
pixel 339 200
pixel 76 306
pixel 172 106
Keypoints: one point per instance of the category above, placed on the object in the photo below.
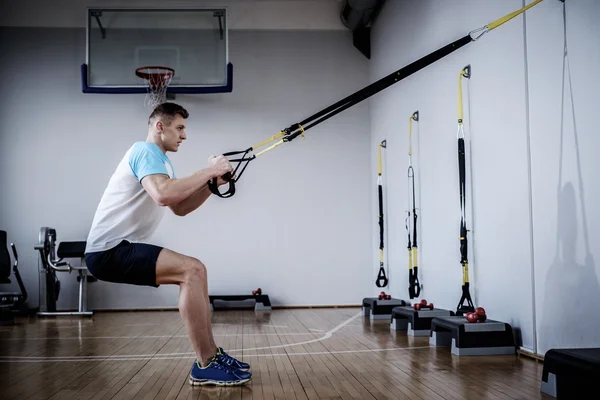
pixel 126 211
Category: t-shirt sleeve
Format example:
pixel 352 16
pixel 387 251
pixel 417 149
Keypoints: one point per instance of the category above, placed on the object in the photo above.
pixel 145 161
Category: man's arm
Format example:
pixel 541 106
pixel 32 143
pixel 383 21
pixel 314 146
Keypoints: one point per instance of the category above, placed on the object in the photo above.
pixel 192 202
pixel 197 198
pixel 182 195
pixel 168 191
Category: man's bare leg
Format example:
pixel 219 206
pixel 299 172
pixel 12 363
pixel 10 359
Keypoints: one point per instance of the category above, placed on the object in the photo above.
pixel 209 317
pixel 190 274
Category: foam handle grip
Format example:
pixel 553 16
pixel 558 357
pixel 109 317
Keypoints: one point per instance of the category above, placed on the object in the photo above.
pixel 214 188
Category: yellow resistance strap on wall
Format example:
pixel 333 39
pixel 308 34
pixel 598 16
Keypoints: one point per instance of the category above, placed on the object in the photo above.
pixel 462 170
pixel 414 286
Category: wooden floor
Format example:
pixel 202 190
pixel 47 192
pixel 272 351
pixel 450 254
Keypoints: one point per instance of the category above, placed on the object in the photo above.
pixel 295 354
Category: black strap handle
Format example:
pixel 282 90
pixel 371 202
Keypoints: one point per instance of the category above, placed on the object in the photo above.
pixel 382 280
pixel 231 178
pixel 414 288
pixel 214 188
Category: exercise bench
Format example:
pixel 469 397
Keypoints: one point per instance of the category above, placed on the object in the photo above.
pixel 53 262
pixel 9 301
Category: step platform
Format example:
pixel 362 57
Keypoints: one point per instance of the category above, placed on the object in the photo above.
pixel 260 302
pixel 472 339
pixel 570 373
pixel 374 308
pixel 416 323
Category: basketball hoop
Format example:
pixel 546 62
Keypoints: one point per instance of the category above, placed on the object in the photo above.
pixel 157 79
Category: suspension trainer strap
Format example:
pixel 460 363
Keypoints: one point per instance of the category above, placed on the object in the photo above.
pixel 462 175
pixel 382 280
pixel 414 286
pixel 232 178
pixel 290 133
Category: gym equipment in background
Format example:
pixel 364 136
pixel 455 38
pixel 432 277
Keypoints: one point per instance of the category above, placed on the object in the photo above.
pixel 50 285
pixel 9 301
pixel 374 308
pixel 479 315
pixel 297 129
pixel 161 52
pixel 382 279
pixel 472 339
pixel 384 296
pixel 256 300
pixel 416 319
pixel 571 373
pixel 414 286
pixel 462 171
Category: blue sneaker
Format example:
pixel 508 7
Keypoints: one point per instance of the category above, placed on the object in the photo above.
pixel 218 373
pixel 232 361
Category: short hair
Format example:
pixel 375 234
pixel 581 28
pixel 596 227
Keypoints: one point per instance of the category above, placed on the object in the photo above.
pixel 167 112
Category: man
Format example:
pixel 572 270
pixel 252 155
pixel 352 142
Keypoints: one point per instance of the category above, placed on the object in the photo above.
pixel 132 205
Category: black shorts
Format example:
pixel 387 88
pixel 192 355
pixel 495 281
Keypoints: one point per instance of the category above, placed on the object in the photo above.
pixel 132 263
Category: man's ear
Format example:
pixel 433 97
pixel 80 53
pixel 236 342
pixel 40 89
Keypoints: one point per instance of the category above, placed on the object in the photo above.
pixel 159 126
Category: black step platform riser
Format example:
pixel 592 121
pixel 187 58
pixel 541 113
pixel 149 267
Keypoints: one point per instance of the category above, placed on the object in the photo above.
pixel 479 338
pixel 419 320
pixel 571 373
pixel 258 302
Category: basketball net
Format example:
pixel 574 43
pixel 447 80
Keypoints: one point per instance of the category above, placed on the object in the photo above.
pixel 157 80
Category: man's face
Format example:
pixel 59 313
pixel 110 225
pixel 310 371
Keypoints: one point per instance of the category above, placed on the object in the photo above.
pixel 172 135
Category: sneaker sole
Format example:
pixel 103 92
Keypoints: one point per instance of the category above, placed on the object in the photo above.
pixel 206 382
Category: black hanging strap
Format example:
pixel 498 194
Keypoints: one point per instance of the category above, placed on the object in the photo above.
pixel 382 279
pixel 465 304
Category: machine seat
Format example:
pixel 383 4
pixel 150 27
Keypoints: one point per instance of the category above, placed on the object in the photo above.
pixel 71 250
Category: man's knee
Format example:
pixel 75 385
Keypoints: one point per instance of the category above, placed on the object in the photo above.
pixel 195 270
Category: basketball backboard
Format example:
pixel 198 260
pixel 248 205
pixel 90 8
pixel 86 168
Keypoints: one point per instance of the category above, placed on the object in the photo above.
pixel 192 42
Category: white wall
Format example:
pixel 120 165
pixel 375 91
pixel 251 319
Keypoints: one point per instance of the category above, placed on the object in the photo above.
pixel 566 194
pixel 299 224
pixel 501 261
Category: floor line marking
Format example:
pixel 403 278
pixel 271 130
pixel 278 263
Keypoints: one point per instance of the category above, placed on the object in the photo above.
pixel 327 335
pixel 152 336
pixel 193 356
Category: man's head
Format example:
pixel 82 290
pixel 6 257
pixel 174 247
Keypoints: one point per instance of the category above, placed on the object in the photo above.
pixel 166 126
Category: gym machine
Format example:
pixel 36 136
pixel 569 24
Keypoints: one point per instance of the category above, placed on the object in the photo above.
pixel 52 262
pixel 9 301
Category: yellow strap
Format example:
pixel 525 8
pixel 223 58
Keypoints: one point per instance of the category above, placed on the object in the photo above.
pixel 460 98
pixel 410 264
pixel 465 273
pixel 279 143
pixel 277 136
pixel 274 137
pixel 301 130
pixel 415 251
pixel 460 106
pixel 379 159
pixel 510 16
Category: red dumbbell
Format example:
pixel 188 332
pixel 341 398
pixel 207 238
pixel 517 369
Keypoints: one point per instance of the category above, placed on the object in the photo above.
pixel 480 312
pixel 471 317
pixel 423 304
pixel 257 292
pixel 384 296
